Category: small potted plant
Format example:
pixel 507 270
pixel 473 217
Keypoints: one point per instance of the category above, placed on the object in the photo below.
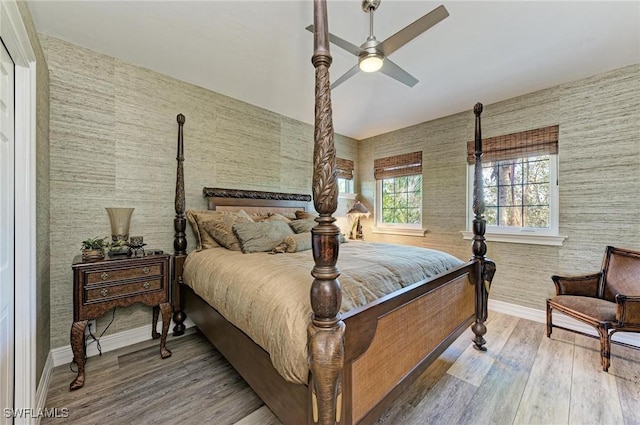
pixel 93 248
pixel 118 248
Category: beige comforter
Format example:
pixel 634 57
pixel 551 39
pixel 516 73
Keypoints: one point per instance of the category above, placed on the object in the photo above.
pixel 267 295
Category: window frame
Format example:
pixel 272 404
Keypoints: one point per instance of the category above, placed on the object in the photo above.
pixel 348 185
pixel 407 229
pixel 527 235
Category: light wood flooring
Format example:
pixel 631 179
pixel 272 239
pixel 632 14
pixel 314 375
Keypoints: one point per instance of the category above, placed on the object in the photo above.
pixel 523 378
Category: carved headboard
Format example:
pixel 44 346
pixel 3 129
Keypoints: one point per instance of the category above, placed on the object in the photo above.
pixel 254 202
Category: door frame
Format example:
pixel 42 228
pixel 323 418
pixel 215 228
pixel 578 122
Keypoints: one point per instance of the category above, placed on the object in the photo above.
pixel 18 43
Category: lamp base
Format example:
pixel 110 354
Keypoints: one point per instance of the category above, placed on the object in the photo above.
pixel 359 235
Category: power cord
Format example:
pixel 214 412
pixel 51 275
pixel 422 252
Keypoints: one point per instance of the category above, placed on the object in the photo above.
pixel 93 339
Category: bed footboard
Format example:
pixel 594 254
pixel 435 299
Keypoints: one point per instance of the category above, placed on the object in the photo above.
pixel 391 343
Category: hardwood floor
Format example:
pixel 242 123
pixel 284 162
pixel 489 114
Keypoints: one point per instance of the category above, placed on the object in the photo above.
pixel 523 378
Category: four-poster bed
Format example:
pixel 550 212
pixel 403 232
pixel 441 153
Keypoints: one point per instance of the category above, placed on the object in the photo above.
pixel 361 360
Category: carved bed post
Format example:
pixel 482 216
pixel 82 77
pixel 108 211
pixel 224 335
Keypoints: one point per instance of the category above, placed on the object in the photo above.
pixel 326 331
pixel 484 268
pixel 180 237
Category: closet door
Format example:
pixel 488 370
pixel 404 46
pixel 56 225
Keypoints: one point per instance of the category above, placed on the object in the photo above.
pixel 7 245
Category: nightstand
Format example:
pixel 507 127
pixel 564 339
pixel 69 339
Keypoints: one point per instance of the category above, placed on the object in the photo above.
pixel 99 286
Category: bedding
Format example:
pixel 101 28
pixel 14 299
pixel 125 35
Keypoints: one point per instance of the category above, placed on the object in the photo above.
pixel 267 296
pixel 206 239
pixel 303 225
pixel 261 237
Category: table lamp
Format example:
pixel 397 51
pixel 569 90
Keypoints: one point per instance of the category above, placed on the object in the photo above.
pixel 358 210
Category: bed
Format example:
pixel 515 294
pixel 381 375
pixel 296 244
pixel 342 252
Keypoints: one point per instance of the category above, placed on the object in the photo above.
pixel 358 357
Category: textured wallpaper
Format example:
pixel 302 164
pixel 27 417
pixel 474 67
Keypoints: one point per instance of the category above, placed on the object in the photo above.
pixel 113 135
pixel 113 144
pixel 599 173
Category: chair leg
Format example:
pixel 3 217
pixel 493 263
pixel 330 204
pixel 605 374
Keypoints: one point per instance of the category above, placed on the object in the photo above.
pixel 549 323
pixel 605 348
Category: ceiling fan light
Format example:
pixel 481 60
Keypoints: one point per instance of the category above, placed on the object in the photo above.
pixel 370 63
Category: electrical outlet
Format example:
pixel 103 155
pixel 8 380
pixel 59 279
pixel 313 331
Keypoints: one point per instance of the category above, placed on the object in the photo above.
pixel 91 327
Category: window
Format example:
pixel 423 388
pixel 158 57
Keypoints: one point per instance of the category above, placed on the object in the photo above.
pixel 401 200
pixel 520 179
pixel 344 172
pixel 399 194
pixel 345 185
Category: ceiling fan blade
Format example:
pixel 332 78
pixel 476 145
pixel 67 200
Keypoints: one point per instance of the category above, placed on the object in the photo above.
pixel 394 71
pixel 351 48
pixel 413 30
pixel 350 73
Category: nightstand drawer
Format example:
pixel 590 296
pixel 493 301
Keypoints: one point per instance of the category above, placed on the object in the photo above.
pixel 106 292
pixel 105 276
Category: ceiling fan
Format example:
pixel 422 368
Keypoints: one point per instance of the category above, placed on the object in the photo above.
pixel 373 54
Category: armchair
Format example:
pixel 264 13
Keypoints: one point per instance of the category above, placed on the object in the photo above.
pixel 608 300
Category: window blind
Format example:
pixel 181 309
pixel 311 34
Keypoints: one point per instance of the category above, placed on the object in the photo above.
pixel 344 168
pixel 407 164
pixel 541 141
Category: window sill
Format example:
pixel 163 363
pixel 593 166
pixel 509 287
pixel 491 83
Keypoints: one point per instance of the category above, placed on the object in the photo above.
pixel 400 232
pixel 519 238
pixel 347 195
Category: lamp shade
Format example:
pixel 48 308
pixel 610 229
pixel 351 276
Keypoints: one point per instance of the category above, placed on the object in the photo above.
pixel 120 219
pixel 358 209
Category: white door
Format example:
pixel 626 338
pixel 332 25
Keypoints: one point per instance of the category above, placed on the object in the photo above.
pixel 7 246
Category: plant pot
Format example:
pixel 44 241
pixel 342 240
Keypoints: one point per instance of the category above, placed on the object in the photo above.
pixel 92 254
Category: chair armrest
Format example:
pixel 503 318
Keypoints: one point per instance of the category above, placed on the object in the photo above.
pixel 628 312
pixel 584 285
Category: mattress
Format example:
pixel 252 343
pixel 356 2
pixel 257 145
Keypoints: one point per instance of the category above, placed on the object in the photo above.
pixel 267 295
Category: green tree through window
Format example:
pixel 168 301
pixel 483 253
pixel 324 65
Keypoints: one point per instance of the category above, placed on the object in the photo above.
pixel 517 192
pixel 402 200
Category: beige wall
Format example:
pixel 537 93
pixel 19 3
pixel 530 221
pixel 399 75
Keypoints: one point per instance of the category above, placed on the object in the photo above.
pixel 113 143
pixel 599 158
pixel 42 194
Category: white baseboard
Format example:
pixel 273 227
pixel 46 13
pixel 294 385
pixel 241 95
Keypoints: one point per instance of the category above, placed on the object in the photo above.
pixel 62 355
pixel 43 385
pixel 558 319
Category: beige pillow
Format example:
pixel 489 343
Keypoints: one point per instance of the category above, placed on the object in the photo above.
pixel 220 228
pixel 298 242
pixel 302 215
pixel 203 240
pixel 278 217
pixel 261 237
pixel 303 226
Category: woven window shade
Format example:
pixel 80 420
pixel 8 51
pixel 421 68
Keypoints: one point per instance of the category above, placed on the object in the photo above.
pixel 541 141
pixel 407 164
pixel 344 168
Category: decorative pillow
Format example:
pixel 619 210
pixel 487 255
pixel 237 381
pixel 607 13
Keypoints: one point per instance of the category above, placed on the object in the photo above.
pixel 259 217
pixel 220 228
pixel 278 217
pixel 261 237
pixel 203 240
pixel 302 226
pixel 298 242
pixel 302 215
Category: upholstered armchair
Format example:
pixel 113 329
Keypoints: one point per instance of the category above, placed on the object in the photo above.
pixel 608 300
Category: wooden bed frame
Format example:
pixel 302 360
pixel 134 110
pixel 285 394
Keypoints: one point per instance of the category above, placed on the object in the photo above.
pixel 359 362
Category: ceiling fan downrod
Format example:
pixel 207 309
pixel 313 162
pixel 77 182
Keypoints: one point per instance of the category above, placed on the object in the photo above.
pixel 370 6
pixel 371 59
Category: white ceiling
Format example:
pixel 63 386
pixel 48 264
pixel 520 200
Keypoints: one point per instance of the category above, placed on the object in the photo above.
pixel 259 51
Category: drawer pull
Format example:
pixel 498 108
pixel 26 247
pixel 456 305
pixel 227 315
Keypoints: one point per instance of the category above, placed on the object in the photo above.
pixel 104 275
pixel 146 285
pixel 104 292
pixel 146 270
